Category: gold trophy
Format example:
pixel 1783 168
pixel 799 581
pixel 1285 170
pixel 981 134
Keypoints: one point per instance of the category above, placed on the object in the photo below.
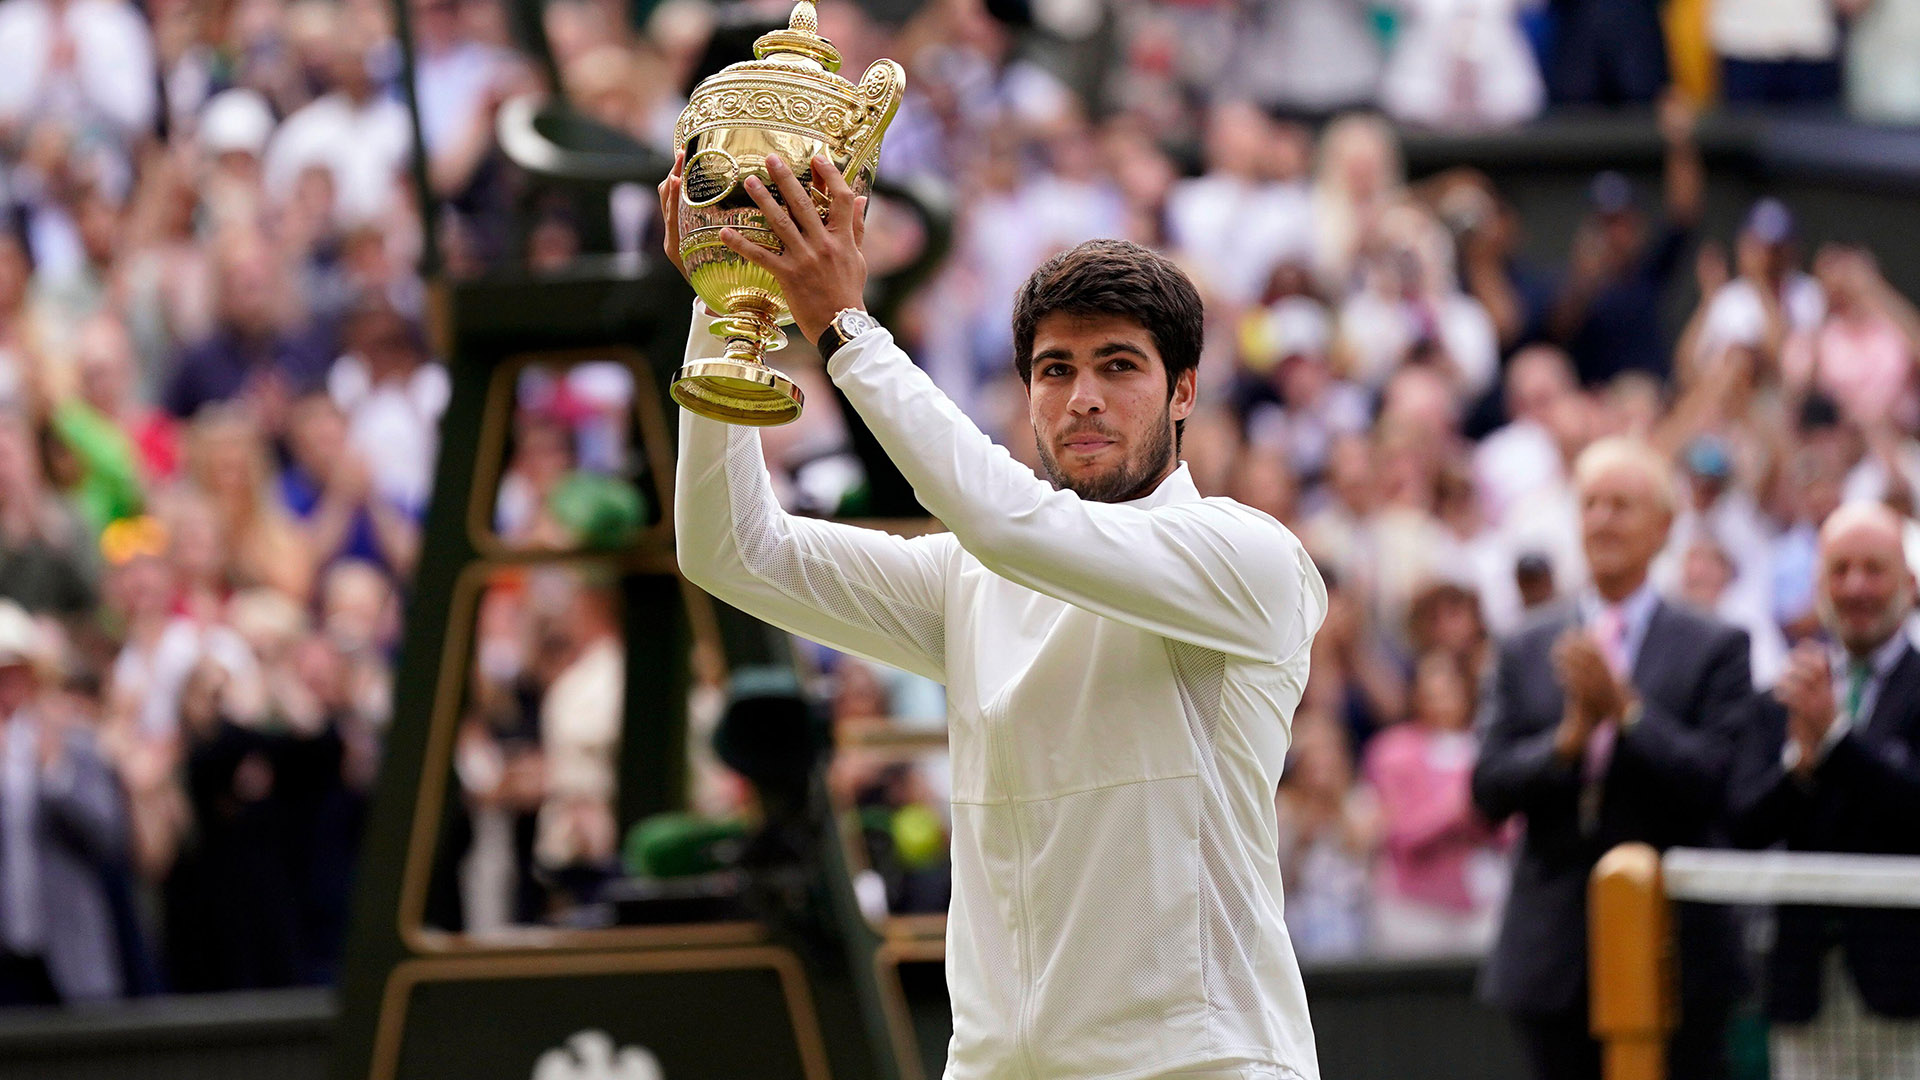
pixel 789 102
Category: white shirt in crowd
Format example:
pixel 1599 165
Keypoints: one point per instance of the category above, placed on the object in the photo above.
pixel 1235 231
pixel 365 147
pixel 1737 316
pixel 1772 30
pixel 453 85
pixel 1121 681
pixel 110 82
pixel 1461 64
pixel 394 424
pixel 1312 56
pixel 1515 461
pixel 1883 82
pixel 1381 329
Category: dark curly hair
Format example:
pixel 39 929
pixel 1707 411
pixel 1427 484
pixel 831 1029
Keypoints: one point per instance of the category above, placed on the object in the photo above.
pixel 1114 277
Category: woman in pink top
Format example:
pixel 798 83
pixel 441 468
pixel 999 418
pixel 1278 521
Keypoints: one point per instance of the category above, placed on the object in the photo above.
pixel 1439 889
pixel 1863 353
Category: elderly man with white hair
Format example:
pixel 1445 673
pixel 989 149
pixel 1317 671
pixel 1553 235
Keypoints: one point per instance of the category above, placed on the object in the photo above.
pixel 1610 719
pixel 1830 761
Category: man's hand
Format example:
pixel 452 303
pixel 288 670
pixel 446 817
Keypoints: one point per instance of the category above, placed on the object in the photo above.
pixel 1807 691
pixel 670 211
pixel 820 267
pixel 1589 683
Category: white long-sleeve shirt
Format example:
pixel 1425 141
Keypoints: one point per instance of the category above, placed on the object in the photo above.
pixel 1121 680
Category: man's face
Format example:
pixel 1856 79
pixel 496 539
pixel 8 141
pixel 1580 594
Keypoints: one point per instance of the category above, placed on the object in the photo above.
pixel 1622 232
pixel 17 684
pixel 1623 521
pixel 1098 401
pixel 1865 587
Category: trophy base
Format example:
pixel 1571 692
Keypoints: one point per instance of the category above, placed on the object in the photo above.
pixel 752 395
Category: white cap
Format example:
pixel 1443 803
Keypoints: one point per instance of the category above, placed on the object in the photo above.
pixel 236 120
pixel 19 637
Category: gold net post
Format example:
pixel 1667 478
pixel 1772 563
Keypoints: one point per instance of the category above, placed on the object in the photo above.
pixel 1630 950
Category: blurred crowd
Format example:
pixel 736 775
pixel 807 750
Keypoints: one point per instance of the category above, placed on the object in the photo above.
pixel 219 409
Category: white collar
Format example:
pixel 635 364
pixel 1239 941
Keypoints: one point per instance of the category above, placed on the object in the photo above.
pixel 1178 487
pixel 1636 608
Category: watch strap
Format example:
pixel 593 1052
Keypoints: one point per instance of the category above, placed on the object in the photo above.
pixel 831 339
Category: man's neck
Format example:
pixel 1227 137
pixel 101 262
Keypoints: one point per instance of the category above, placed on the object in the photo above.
pixel 1869 652
pixel 1150 486
pixel 1618 589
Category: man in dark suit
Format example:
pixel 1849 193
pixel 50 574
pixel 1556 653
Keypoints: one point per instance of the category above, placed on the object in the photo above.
pixel 62 823
pixel 1830 761
pixel 1609 720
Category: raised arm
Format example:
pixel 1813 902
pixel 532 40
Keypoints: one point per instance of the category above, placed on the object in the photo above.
pixel 1209 572
pixel 858 590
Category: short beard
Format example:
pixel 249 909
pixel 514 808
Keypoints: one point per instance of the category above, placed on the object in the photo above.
pixel 1132 479
pixel 1889 624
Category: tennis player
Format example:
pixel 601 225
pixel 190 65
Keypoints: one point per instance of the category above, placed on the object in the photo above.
pixel 1122 657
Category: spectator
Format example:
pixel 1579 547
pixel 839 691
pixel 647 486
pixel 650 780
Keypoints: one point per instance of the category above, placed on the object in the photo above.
pixel 1300 406
pixel 62 824
pixel 1771 306
pixel 358 136
pixel 1312 58
pixel 1827 763
pixel 1882 86
pixel 232 916
pixel 1239 220
pixel 1609 721
pixel 392 395
pixel 1328 833
pixel 328 488
pixel 47 561
pixel 1441 883
pixel 584 663
pixel 1815 476
pixel 251 354
pixel 1608 311
pixel 1410 309
pixel 1517 293
pixel 81 66
pixel 108 395
pixel 1723 513
pixel 1523 457
pixel 1358 175
pixel 104 458
pixel 19 322
pixel 542 457
pixel 1706 583
pixel 1461 65
pixel 1863 354
pixel 227 462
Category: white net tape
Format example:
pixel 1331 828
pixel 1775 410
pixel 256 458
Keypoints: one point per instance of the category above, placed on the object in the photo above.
pixel 1791 877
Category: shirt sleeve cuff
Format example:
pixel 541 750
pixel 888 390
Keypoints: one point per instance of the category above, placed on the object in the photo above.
pixel 845 356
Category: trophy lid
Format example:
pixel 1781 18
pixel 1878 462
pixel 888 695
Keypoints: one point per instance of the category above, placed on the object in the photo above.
pixel 800 38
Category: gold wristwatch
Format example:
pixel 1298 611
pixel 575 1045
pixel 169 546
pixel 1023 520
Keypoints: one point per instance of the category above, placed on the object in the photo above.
pixel 847 324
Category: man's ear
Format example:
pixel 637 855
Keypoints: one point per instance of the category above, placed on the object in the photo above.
pixel 1185 391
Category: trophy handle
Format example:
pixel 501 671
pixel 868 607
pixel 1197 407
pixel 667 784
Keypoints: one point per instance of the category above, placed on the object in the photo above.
pixel 882 88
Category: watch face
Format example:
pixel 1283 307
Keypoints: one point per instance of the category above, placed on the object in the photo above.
pixel 854 323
